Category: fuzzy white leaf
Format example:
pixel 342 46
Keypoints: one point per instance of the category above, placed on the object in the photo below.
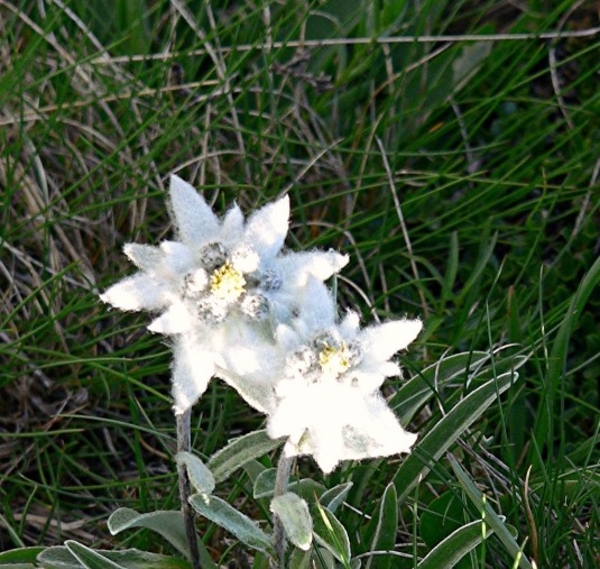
pixel 138 292
pixel 195 221
pixel 266 228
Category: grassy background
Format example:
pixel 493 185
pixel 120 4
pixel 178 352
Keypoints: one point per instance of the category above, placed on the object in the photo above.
pixel 461 177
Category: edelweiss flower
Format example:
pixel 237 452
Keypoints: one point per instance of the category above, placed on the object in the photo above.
pixel 217 278
pixel 329 404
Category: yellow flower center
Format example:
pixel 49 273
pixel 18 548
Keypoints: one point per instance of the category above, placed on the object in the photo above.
pixel 227 283
pixel 335 360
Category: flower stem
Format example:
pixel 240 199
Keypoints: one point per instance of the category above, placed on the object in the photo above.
pixel 184 444
pixel 284 467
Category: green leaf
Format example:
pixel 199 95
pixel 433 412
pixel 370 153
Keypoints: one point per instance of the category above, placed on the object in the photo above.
pixel 169 524
pixel 254 469
pixel 200 476
pixel 300 559
pixel 64 558
pixel 89 558
pixel 421 388
pixel 264 486
pixel 444 433
pixel 386 530
pixel 333 498
pixel 443 515
pixel 58 558
pixel 240 451
pixel 221 513
pixel 295 517
pixel 309 489
pixel 21 558
pixel 452 549
pixel 492 519
pixel 331 534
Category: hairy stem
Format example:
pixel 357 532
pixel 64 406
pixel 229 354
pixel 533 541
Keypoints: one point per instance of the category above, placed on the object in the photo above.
pixel 183 421
pixel 284 468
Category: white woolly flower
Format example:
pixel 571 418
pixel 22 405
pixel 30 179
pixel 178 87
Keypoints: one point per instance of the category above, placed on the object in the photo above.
pixel 328 401
pixel 219 276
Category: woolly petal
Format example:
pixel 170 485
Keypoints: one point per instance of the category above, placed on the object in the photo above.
pixel 195 221
pixel 372 432
pixel 233 225
pixel 291 417
pixel 256 392
pixel 192 369
pixel 350 325
pixel 312 417
pixel 145 257
pixel 266 228
pixel 178 257
pixel 370 381
pixel 319 264
pixel 241 352
pixel 335 422
pixel 287 338
pixel 376 432
pixel 386 339
pixel 389 369
pixel 139 292
pixel 176 320
pixel 316 307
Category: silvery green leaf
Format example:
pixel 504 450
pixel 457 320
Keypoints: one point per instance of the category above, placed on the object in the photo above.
pixel 21 558
pixel 295 517
pixel 58 557
pixel 300 559
pixel 331 534
pixel 422 387
pixel 200 476
pixel 221 513
pixel 454 547
pixel 384 537
pixel 254 469
pixel 65 558
pixel 169 524
pixel 89 558
pixel 309 490
pixel 444 433
pixel 264 485
pixel 334 497
pixel 239 451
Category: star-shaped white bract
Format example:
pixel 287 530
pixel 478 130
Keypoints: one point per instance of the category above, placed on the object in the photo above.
pixel 220 275
pixel 328 400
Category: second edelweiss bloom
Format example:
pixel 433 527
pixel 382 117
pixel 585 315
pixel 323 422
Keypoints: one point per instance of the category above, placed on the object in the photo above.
pixel 329 404
pixel 218 275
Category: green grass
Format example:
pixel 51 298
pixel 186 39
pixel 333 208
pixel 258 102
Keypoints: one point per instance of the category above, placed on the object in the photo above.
pixel 496 174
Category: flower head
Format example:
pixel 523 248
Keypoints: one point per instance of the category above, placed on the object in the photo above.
pixel 219 276
pixel 328 402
